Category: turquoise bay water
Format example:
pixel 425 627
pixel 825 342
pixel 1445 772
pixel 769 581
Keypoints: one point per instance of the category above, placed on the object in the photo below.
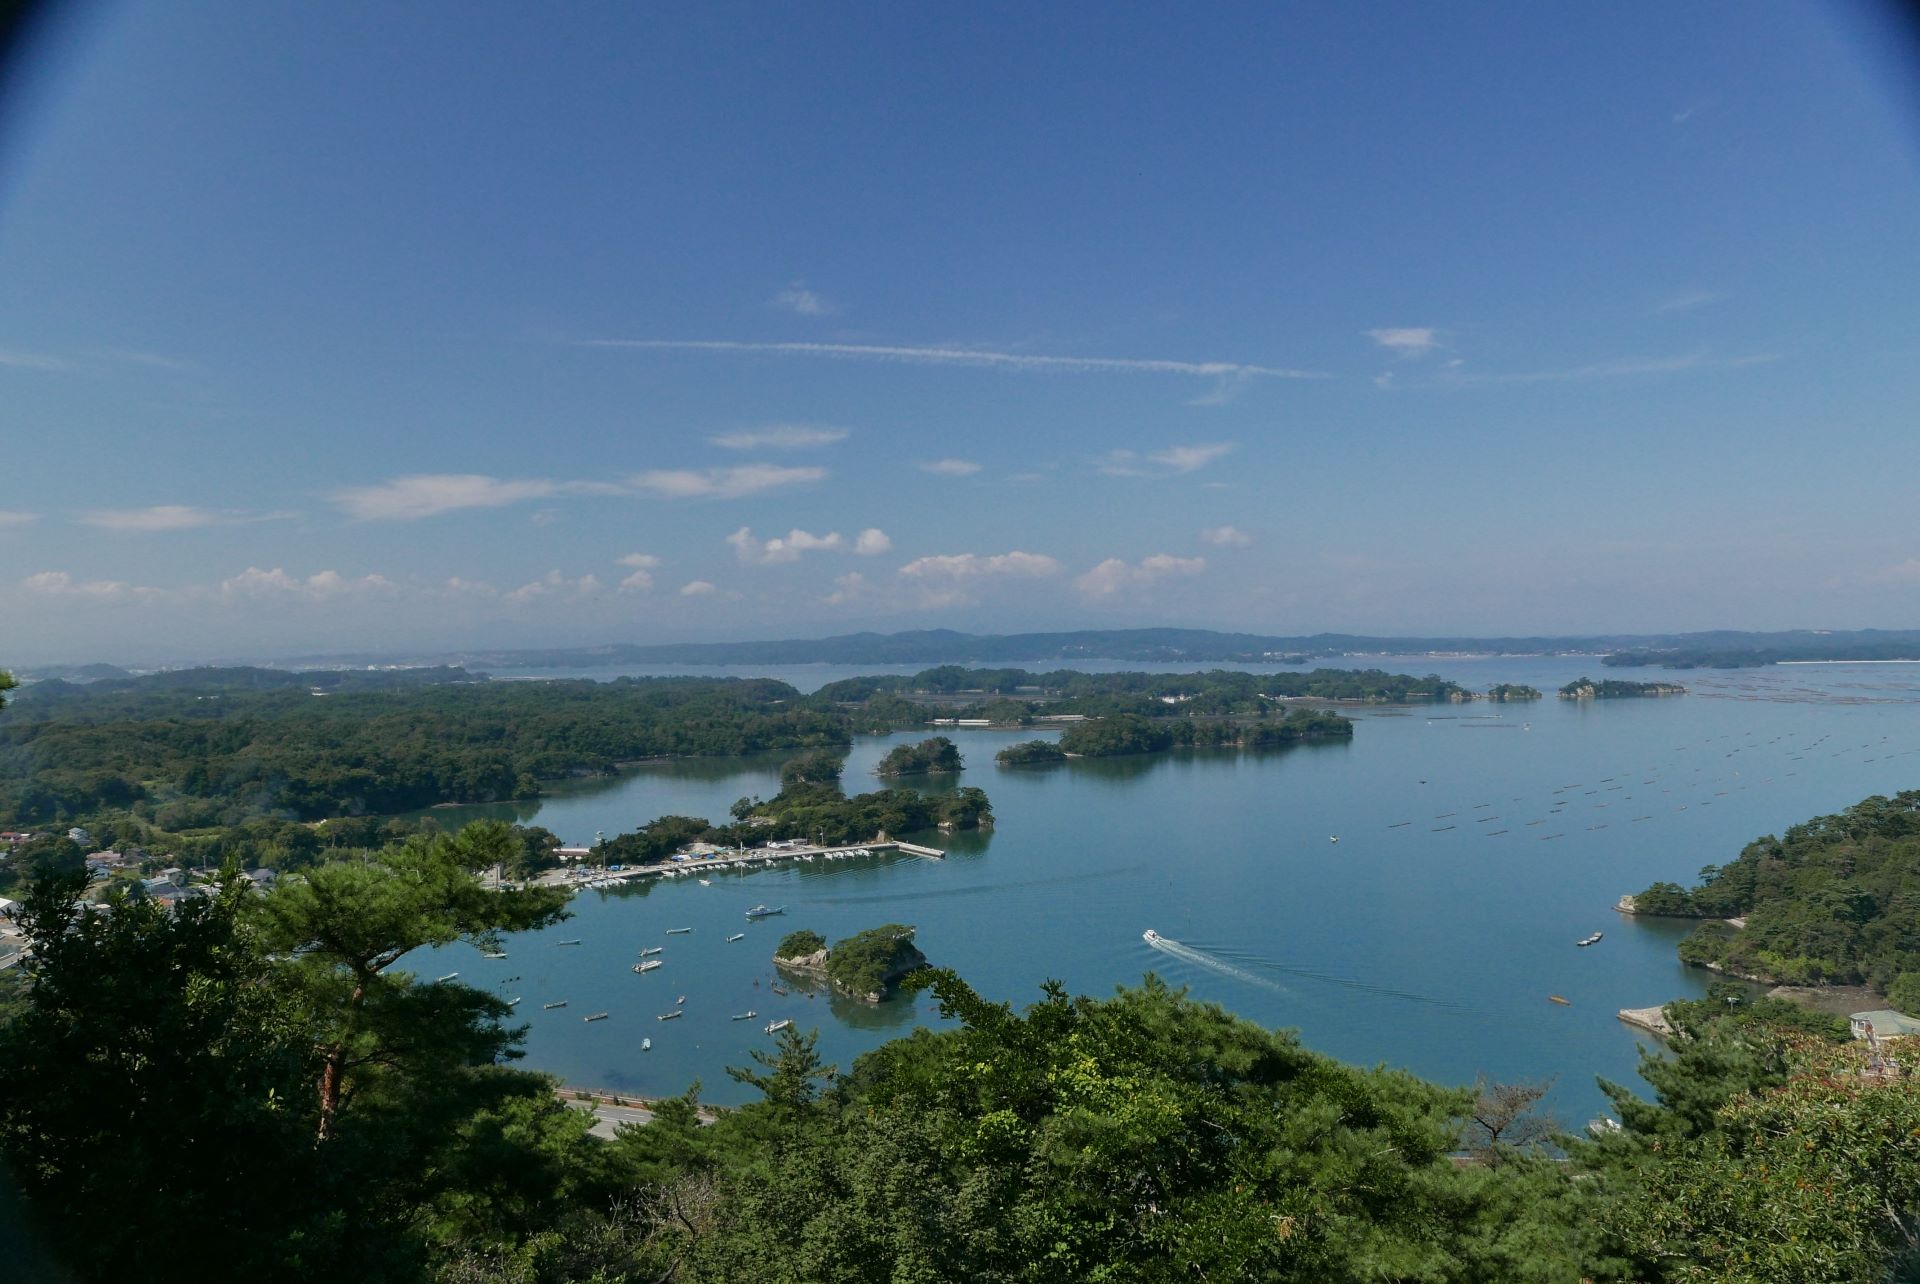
pixel 1425 937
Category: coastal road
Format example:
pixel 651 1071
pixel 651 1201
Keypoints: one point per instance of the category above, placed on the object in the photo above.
pixel 608 1118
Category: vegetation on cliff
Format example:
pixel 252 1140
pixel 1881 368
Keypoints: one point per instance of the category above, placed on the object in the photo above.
pixel 1833 901
pixel 797 945
pixel 933 755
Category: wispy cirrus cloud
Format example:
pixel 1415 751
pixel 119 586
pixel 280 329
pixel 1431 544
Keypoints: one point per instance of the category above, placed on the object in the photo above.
pixel 61 584
pixel 949 467
pixel 14 359
pixel 780 437
pixel 171 517
pixel 1687 300
pixel 422 495
pixel 950 356
pixel 15 517
pixel 1406 341
pixel 1115 575
pixel 722 483
pixel 1624 368
pixel 1162 463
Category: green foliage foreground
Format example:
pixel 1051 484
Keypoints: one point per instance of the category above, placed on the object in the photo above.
pixel 262 1074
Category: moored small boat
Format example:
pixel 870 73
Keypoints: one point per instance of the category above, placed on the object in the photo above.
pixel 763 911
pixel 448 977
pixel 748 1015
pixel 668 1016
pixel 778 988
pixel 646 965
pixel 548 1007
pixel 597 1016
pixel 737 936
pixel 646 1045
pixel 775 1027
pixel 574 941
pixel 678 931
pixel 651 950
pixel 1554 998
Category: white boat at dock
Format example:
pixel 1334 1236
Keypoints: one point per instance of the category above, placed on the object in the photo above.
pixel 775 1027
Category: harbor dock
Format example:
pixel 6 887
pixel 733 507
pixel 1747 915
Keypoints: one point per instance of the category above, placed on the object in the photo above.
pixel 701 863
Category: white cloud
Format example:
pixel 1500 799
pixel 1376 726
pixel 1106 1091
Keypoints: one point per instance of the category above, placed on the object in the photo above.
pixel 798 299
pixel 430 494
pixel 642 565
pixel 981 357
pixel 779 549
pixel 851 589
pixel 277 583
pixel 555 586
pixel 170 517
pixel 779 437
pixel 61 584
pixel 1226 537
pixel 950 467
pixel 457 587
pixel 697 588
pixel 1161 463
pixel 947 579
pixel 1406 341
pixel 1114 575
pixel 722 483
pixel 13 517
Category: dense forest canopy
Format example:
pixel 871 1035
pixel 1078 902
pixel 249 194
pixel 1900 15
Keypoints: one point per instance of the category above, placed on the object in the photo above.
pixel 1835 900
pixel 259 1067
pixel 1617 689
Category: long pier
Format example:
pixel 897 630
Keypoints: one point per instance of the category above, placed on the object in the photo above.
pixel 753 858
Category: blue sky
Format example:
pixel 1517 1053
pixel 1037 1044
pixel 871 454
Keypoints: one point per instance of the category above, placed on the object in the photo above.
pixel 366 326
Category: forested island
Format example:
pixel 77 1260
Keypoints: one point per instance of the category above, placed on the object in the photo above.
pixel 1833 901
pixel 867 966
pixel 1613 689
pixel 1129 733
pixel 1030 753
pixel 1506 692
pixel 933 756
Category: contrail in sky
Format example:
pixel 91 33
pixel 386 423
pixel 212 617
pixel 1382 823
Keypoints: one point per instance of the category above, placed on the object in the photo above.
pixel 965 357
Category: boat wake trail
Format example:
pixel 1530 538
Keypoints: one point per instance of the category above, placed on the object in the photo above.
pixel 1213 963
pixel 1228 963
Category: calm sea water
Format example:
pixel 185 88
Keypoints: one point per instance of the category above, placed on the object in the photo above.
pixel 1476 844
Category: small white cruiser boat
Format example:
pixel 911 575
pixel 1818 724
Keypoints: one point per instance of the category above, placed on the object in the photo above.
pixel 678 931
pixel 646 965
pixel 651 950
pixel 737 936
pixel 646 1045
pixel 1150 936
pixel 775 1027
pixel 748 1015
pixel 448 977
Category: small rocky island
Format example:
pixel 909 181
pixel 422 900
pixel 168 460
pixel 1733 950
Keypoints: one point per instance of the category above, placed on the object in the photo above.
pixel 933 755
pixel 1507 692
pixel 866 966
pixel 1613 689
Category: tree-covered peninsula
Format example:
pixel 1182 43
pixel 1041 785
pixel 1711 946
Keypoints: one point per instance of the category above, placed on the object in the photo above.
pixel 1833 901
pixel 1130 733
pixel 1615 689
pixel 1030 753
pixel 1507 692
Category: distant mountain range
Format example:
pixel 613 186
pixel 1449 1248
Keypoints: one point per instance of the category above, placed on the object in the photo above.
pixel 1719 648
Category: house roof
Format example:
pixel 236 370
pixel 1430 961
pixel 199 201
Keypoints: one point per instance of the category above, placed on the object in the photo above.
pixel 1886 1023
